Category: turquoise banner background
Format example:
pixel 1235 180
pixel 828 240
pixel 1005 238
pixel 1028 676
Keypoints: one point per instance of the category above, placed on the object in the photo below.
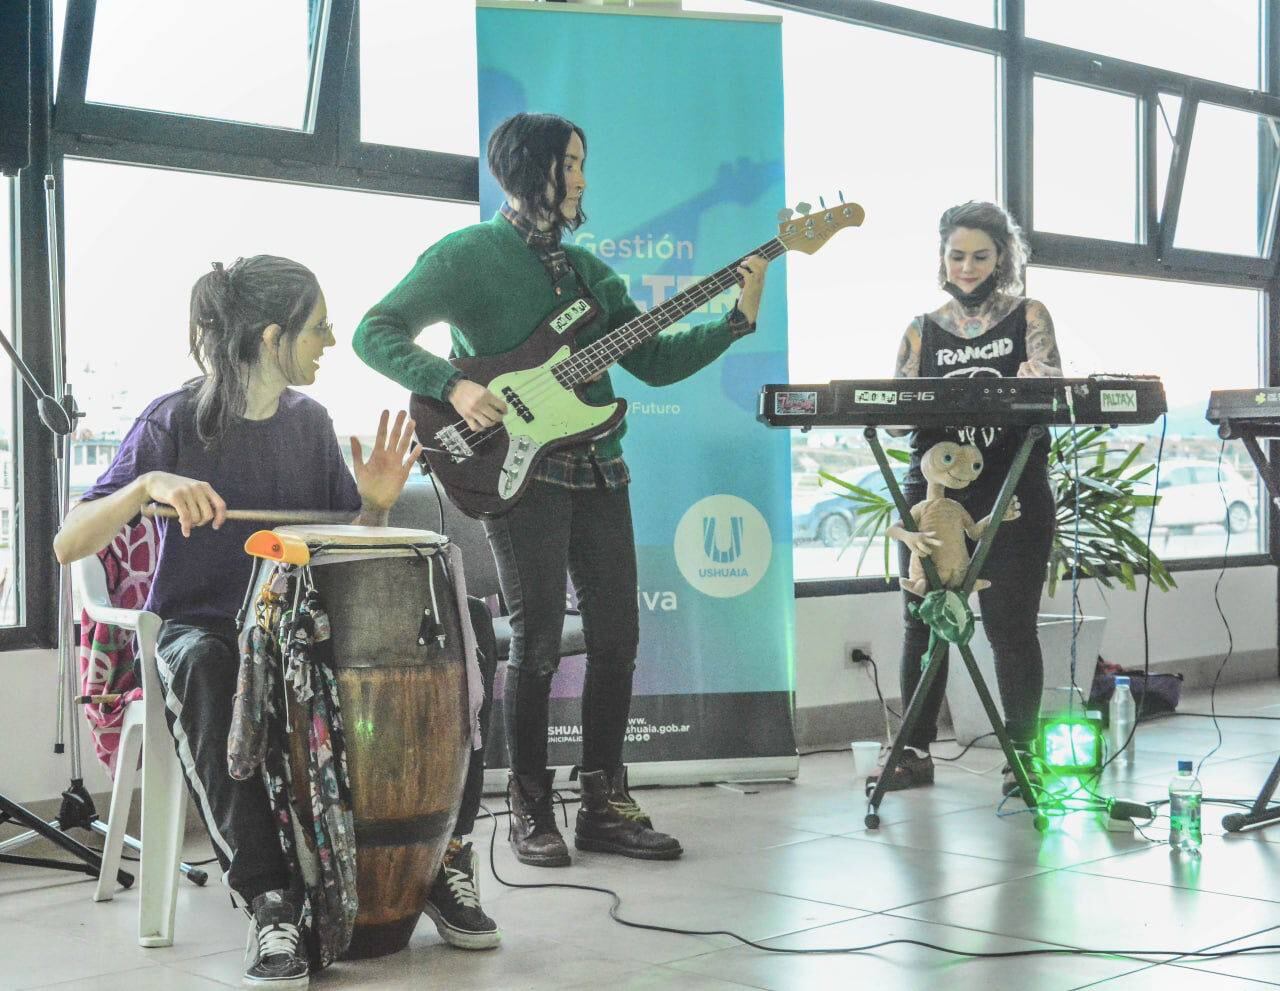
pixel 684 122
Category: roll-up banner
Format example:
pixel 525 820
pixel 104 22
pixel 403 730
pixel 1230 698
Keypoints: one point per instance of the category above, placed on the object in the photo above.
pixel 684 124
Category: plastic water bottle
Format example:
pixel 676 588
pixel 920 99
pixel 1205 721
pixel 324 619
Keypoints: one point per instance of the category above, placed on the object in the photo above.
pixel 1122 717
pixel 1185 797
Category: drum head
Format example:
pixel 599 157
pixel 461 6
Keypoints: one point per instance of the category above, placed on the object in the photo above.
pixel 346 541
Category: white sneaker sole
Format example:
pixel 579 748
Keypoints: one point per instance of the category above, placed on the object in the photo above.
pixel 281 983
pixel 460 938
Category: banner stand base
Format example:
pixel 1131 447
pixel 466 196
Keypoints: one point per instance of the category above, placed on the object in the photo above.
pixel 677 772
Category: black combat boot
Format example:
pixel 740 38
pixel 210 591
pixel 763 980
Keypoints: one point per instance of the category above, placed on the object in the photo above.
pixel 533 834
pixel 610 821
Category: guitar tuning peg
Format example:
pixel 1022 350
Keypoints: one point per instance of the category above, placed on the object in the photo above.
pixel 840 193
pixel 784 215
pixel 822 203
pixel 803 208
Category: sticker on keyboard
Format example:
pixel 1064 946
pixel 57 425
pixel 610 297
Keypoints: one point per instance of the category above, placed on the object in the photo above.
pixel 795 403
pixel 1119 401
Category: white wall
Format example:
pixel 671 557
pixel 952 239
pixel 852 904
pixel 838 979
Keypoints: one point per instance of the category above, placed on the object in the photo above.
pixel 29 769
pixel 1185 631
pixel 1186 634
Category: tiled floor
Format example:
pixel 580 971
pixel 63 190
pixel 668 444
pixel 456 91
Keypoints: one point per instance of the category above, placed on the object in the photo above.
pixel 791 866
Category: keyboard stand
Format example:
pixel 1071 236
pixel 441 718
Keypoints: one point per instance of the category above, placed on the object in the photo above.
pixel 983 548
pixel 1263 812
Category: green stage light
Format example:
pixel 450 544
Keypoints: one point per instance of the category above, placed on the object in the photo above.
pixel 1071 745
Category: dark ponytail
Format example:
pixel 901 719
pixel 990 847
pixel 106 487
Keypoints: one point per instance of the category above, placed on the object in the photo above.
pixel 230 308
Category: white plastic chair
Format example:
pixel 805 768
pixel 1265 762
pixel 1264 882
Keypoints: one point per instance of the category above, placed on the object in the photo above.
pixel 163 796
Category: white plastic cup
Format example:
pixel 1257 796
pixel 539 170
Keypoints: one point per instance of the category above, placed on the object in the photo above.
pixel 866 755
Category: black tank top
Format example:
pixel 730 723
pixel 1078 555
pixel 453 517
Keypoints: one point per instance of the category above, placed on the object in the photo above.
pixel 998 353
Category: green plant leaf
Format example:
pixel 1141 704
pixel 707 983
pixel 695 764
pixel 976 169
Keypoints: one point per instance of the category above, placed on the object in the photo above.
pixel 1095 499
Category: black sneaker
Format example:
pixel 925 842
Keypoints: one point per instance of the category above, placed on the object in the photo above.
pixel 913 770
pixel 454 903
pixel 273 958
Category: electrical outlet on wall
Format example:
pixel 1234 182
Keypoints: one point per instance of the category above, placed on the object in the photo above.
pixel 857 653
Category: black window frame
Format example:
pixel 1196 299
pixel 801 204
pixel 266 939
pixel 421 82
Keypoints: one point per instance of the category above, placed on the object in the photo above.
pixel 1020 60
pixel 329 152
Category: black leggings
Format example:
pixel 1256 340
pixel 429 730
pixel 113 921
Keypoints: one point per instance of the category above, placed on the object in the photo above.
pixel 487 657
pixel 551 534
pixel 1016 569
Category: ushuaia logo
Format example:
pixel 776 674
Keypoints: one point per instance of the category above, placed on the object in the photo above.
pixel 712 548
pixel 723 546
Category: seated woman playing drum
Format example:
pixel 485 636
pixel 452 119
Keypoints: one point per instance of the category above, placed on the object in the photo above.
pixel 238 435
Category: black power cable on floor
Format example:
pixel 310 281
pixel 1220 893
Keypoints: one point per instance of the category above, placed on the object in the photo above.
pixel 1141 955
pixel 967 747
pixel 1231 643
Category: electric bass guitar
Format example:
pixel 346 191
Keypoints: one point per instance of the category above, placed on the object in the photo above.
pixel 484 472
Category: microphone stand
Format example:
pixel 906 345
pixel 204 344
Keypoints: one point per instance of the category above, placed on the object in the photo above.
pixel 77 810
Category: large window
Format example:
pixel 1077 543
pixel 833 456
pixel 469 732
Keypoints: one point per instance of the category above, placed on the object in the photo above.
pixel 138 238
pixel 397 75
pixel 1087 188
pixel 241 60
pixel 1229 201
pixel 1215 39
pixel 1196 338
pixel 903 125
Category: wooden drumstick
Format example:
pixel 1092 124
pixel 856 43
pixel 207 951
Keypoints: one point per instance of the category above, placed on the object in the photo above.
pixel 155 509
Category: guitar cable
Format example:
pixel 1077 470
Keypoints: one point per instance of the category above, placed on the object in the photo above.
pixel 1140 955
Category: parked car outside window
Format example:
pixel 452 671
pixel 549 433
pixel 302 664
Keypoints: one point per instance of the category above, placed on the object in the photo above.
pixel 828 518
pixel 1194 492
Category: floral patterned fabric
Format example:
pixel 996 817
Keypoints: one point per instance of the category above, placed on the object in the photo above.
pixel 286 684
pixel 106 653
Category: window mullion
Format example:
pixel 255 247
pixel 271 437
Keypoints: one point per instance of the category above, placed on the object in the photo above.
pixel 1177 173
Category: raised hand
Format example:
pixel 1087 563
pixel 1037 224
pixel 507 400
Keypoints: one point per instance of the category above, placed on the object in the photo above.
pixel 381 478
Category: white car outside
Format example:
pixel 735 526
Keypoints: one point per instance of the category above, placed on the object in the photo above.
pixel 1194 492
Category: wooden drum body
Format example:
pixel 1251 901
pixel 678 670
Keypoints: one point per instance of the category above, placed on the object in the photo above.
pixel 404 707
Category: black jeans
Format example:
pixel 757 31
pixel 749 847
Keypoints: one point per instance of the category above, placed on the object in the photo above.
pixel 487 648
pixel 1016 569
pixel 585 534
pixel 198 668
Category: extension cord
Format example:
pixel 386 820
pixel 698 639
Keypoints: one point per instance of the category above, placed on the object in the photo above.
pixel 1122 816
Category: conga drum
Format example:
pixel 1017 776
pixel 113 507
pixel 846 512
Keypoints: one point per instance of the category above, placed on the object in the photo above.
pixel 400 665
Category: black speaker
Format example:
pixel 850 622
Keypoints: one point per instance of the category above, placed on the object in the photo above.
pixel 15 85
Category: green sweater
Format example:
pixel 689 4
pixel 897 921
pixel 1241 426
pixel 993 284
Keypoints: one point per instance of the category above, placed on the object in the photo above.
pixel 493 291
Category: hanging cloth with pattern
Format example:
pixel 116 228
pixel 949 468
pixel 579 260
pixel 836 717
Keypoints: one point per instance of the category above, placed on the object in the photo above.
pixel 286 692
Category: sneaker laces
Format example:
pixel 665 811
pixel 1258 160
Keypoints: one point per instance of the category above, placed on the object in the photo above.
pixel 277 939
pixel 462 884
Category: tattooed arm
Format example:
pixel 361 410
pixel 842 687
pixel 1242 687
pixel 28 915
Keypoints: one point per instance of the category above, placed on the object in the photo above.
pixel 907 365
pixel 1043 360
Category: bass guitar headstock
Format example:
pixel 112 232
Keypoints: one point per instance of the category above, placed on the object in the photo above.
pixel 806 230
